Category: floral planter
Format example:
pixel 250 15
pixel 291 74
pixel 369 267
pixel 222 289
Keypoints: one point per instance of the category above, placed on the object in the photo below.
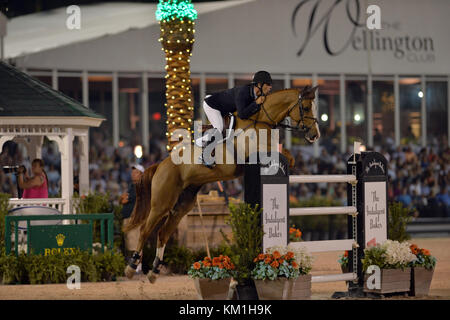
pixel 301 288
pixel 420 281
pixel 392 280
pixel 279 289
pixel 208 289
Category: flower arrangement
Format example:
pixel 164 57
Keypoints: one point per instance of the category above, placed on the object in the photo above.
pixel 423 258
pixel 301 256
pixel 273 265
pixel 216 268
pixel 295 235
pixel 344 260
pixel 389 255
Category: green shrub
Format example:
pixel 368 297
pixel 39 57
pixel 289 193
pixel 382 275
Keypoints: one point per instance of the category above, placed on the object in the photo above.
pixel 39 269
pixel 109 265
pixel 92 203
pixel 245 223
pixel 178 258
pixel 100 203
pixel 398 217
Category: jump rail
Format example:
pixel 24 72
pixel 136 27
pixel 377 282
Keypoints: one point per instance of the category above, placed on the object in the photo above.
pixel 317 178
pixel 366 181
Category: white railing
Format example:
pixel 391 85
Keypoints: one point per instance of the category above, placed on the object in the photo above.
pixel 56 203
pixel 318 211
pixel 316 178
pixel 326 245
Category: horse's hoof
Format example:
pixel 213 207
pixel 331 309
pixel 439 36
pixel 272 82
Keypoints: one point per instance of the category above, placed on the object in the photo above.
pixel 152 276
pixel 129 272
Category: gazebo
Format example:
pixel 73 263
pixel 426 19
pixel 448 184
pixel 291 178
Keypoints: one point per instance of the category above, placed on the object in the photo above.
pixel 31 110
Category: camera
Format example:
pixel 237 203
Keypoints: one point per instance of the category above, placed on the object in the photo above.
pixel 13 169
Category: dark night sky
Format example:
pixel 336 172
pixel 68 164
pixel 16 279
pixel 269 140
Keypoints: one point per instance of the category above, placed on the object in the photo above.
pixel 14 8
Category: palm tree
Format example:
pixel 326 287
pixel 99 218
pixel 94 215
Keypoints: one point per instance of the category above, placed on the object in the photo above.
pixel 176 20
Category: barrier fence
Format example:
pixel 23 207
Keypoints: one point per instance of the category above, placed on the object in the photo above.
pixel 52 239
pixel 367 209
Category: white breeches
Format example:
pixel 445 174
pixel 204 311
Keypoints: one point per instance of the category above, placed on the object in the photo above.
pixel 214 116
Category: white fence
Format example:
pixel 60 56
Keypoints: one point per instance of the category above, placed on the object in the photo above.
pixel 56 203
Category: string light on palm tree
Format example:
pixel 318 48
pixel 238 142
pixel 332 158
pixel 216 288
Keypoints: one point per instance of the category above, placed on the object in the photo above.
pixel 176 20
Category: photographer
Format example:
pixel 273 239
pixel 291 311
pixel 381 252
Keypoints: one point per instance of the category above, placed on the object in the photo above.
pixel 35 186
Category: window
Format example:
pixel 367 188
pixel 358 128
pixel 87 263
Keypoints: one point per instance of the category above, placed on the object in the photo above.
pixel 130 110
pixel 356 98
pixel 328 114
pixel 100 100
pixel 157 109
pixel 437 109
pixel 410 101
pixel 71 86
pixel 383 112
pixel 45 79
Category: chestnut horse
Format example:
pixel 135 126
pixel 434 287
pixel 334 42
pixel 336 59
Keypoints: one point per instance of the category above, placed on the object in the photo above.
pixel 169 190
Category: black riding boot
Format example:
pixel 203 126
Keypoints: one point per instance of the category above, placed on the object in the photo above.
pixel 211 138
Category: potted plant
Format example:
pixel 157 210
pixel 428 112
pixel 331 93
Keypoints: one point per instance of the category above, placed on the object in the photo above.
pixel 301 288
pixel 247 232
pixel 422 271
pixel 212 277
pixel 283 274
pixel 394 260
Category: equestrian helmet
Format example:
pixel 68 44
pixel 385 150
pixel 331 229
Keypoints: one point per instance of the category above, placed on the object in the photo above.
pixel 262 77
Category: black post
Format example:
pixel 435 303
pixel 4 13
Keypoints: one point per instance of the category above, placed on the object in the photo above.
pixel 371 173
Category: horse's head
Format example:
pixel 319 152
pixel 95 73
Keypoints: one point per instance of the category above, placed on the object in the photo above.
pixel 304 114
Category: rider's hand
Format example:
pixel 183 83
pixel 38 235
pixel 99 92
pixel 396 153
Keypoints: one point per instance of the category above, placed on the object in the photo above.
pixel 260 99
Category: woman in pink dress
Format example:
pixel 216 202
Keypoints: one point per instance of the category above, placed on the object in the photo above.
pixel 35 186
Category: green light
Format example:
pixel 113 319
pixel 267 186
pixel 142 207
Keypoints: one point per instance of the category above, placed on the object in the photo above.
pixel 171 9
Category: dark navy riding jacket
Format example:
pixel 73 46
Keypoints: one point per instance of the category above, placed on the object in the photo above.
pixel 240 99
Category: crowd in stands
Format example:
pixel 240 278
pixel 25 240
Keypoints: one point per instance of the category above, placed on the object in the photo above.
pixel 418 177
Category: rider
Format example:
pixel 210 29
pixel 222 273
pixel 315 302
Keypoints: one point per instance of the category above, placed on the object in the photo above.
pixel 246 100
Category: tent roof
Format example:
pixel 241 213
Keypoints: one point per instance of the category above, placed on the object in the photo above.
pixel 47 30
pixel 24 96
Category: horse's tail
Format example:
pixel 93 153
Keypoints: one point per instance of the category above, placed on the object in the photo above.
pixel 143 199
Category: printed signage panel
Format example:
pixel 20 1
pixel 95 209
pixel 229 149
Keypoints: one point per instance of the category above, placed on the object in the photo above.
pixel 375 213
pixel 50 240
pixel 275 218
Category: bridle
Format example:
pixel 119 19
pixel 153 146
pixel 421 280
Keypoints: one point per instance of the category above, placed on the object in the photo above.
pixel 302 128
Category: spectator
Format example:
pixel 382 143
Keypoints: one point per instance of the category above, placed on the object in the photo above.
pixel 405 198
pixel 35 186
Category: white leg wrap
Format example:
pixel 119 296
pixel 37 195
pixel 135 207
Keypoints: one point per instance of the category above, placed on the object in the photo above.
pixel 160 252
